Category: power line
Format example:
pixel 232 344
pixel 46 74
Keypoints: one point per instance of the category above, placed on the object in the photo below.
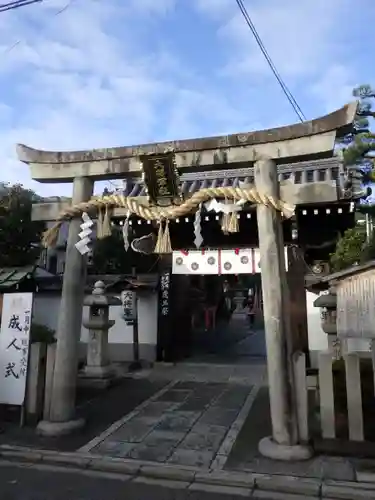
pixel 57 13
pixel 282 84
pixel 16 4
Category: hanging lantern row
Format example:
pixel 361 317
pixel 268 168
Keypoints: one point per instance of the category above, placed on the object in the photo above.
pixel 338 210
pixel 206 218
pixel 219 261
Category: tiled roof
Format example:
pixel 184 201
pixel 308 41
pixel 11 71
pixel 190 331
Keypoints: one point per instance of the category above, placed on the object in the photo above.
pixel 300 173
pixel 134 187
pixel 12 276
pixel 328 170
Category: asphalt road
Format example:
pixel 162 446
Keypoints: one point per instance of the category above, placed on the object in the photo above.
pixel 19 482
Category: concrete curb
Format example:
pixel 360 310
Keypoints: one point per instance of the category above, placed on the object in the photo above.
pixel 190 477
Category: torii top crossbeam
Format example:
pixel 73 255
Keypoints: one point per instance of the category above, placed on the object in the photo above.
pixel 309 140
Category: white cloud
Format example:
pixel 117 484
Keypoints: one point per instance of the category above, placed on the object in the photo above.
pixel 93 76
pixel 151 7
pixel 5 112
pixel 299 36
pixel 320 48
pixel 216 9
pixel 335 86
pixel 83 89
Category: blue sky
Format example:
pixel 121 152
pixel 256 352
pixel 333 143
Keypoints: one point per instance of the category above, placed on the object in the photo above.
pixel 123 72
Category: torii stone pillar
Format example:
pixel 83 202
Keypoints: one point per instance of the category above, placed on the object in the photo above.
pixel 62 413
pixel 284 442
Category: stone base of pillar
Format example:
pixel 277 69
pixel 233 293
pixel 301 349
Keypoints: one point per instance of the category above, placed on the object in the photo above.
pixel 55 429
pixel 97 372
pixel 96 376
pixel 270 449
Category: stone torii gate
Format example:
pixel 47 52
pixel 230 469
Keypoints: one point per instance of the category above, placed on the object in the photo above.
pixel 265 151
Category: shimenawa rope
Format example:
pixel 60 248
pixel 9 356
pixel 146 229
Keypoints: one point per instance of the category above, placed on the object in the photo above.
pixel 162 213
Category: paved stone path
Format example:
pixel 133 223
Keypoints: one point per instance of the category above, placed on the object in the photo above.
pixel 233 342
pixel 189 423
pixel 195 420
pixel 236 374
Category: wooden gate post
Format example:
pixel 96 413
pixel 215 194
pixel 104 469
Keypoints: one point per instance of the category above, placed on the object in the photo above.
pixel 284 443
pixel 297 296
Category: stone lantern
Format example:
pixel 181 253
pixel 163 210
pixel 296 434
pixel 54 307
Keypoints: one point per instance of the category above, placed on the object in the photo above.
pixel 98 323
pixel 328 306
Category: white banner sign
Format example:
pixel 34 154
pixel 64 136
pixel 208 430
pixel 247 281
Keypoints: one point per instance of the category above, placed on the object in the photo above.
pixel 14 346
pixel 129 305
pixel 233 261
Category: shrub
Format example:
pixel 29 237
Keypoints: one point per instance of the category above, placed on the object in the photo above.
pixel 349 249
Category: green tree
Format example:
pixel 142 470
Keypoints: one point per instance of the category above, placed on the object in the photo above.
pixel 359 147
pixel 352 249
pixel 349 249
pixel 19 236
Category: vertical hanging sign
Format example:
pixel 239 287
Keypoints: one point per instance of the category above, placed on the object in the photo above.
pixel 161 178
pixel 165 282
pixel 129 306
pixel 14 346
pixel 164 313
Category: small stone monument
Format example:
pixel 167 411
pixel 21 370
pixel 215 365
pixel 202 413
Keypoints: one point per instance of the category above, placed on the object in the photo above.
pixel 98 370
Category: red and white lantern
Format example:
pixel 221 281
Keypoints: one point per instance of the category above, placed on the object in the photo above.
pixel 195 262
pixel 236 261
pixel 233 261
pixel 257 260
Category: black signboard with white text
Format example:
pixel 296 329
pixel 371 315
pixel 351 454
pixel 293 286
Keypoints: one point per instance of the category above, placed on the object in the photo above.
pixel 164 314
pixel 161 178
pixel 129 305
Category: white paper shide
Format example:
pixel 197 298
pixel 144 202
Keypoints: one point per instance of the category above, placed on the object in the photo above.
pixel 14 346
